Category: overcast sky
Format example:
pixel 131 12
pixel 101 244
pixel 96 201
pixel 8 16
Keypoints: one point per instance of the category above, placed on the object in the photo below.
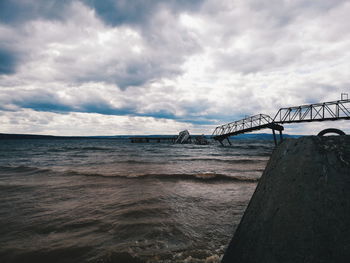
pixel 91 67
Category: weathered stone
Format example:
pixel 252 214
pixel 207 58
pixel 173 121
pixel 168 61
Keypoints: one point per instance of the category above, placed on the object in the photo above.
pixel 300 211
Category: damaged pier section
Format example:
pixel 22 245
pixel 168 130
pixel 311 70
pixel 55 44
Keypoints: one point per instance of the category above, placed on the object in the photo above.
pixel 184 137
pixel 149 139
pixel 253 123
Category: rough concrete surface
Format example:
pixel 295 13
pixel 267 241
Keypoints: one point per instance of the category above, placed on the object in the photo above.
pixel 300 211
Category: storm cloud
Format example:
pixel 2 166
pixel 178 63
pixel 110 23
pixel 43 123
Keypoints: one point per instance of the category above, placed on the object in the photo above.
pixel 193 64
pixel 8 61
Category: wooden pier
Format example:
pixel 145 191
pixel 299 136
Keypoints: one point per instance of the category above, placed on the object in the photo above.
pixel 152 139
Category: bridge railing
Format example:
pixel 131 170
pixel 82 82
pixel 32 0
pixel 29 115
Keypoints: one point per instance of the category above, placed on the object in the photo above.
pixel 333 110
pixel 243 124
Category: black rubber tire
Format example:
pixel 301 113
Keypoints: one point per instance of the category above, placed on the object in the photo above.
pixel 331 130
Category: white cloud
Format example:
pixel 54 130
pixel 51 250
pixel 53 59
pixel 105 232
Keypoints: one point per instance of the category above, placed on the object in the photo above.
pixel 85 124
pixel 191 68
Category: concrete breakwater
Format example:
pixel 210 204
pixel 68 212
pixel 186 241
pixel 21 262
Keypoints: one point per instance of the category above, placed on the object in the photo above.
pixel 300 211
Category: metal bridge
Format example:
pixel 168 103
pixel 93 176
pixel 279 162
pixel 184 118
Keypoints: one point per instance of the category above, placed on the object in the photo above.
pixel 326 111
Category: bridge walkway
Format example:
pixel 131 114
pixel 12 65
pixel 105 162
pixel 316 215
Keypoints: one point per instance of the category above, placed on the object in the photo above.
pixel 326 111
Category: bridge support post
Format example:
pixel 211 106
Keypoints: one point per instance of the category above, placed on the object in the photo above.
pixel 281 137
pixel 228 141
pixel 221 143
pixel 274 136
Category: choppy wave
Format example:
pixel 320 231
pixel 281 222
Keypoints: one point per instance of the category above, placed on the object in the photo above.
pixel 233 161
pixel 26 170
pixel 196 176
pixel 198 256
pixel 137 202
pixel 80 148
pixel 191 159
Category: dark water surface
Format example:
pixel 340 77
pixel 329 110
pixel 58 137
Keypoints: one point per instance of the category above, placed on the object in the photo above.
pixel 108 200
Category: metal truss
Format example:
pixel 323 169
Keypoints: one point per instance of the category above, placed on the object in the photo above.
pixel 248 124
pixel 326 111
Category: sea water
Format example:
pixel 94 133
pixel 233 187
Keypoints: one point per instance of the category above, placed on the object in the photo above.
pixel 109 200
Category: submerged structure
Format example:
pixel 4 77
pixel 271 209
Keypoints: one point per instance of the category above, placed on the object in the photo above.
pixel 185 137
pixel 147 139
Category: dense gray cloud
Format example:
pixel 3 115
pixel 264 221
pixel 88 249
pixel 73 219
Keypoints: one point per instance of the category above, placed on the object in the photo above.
pixel 197 63
pixel 7 61
pixel 19 11
pixel 165 43
pixel 85 49
pixel 113 12
pixel 138 12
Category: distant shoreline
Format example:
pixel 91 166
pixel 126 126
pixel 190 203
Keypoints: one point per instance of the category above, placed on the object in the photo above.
pixel 34 136
pixel 252 136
